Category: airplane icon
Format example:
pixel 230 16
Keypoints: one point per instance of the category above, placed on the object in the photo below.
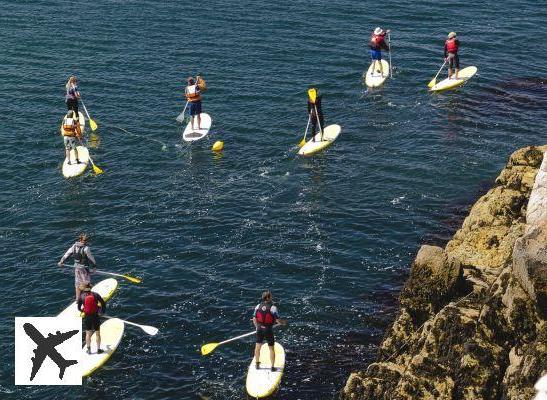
pixel 46 348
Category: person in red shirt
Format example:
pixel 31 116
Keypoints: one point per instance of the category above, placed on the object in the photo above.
pixel 377 44
pixel 92 305
pixel 451 47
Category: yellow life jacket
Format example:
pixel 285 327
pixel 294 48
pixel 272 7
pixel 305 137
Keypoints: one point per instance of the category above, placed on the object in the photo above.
pixel 192 93
pixel 69 127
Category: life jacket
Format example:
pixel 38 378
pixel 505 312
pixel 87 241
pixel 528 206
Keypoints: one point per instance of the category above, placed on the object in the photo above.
pixel 79 254
pixel 90 304
pixel 70 127
pixel 193 94
pixel 452 45
pixel 376 42
pixel 264 315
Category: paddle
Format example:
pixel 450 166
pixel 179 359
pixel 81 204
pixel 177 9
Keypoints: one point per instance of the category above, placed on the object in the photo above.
pixel 129 278
pixel 210 347
pixel 303 141
pixel 92 123
pixel 152 331
pixel 180 117
pixel 389 45
pixel 312 93
pixel 434 80
pixel 96 169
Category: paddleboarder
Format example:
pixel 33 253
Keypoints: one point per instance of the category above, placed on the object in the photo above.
pixel 92 305
pixel 193 96
pixel 451 46
pixel 315 113
pixel 265 317
pixel 72 134
pixel 83 259
pixel 378 43
pixel 72 95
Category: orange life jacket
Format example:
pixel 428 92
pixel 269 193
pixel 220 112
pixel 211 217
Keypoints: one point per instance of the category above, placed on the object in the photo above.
pixel 193 94
pixel 69 127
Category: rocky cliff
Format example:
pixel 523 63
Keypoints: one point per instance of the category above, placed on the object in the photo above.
pixel 472 318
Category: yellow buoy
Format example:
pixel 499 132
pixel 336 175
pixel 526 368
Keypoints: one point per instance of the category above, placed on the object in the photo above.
pixel 218 146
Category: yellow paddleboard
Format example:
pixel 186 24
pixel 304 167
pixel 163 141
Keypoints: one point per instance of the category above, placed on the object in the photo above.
pixel 376 77
pixel 263 382
pixel 450 83
pixel 104 288
pixel 111 336
pixel 330 134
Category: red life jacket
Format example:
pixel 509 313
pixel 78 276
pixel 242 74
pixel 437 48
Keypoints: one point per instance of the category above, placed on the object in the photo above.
pixel 452 45
pixel 376 41
pixel 90 304
pixel 264 316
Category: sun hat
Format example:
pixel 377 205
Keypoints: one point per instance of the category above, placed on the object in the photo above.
pixel 378 31
pixel 452 35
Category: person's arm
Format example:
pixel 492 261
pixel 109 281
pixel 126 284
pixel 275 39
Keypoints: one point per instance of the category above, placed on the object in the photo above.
pixel 255 323
pixel 101 302
pixel 445 51
pixel 278 321
pixel 66 255
pixel 80 303
pixel 90 256
pixel 385 46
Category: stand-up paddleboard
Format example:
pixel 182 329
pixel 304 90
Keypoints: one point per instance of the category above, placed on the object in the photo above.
pixel 330 133
pixel 463 76
pixel 74 169
pixel 263 382
pixel 104 288
pixel 111 335
pixel 191 135
pixel 376 77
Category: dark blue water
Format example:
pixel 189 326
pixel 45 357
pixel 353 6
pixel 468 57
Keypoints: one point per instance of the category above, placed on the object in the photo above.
pixel 331 236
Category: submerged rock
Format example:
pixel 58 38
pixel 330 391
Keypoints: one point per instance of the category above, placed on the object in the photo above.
pixel 472 317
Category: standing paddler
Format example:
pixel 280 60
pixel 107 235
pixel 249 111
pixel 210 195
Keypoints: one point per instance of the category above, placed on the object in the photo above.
pixel 451 47
pixel 193 96
pixel 83 259
pixel 72 95
pixel 72 133
pixel 378 43
pixel 265 317
pixel 92 305
pixel 315 112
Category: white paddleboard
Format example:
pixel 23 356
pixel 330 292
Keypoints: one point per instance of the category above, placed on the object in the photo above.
pixel 191 135
pixel 330 134
pixel 74 169
pixel 104 288
pixel 263 382
pixel 376 77
pixel 111 336
pixel 463 76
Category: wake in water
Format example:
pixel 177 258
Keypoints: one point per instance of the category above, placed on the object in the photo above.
pixel 163 145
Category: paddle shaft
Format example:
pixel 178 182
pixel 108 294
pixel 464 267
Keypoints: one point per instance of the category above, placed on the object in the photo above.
pixel 237 338
pixel 318 121
pixel 307 127
pixel 440 69
pixel 389 45
pixel 127 322
pixel 98 271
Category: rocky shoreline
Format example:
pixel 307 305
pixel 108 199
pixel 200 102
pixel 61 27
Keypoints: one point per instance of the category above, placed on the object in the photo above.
pixel 471 323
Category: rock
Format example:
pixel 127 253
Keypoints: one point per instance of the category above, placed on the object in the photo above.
pixel 530 266
pixel 472 319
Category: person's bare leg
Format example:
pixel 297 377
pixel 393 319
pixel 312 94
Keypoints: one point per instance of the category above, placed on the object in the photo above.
pixel 457 70
pixel 77 293
pixel 257 353
pixel 192 119
pixel 272 355
pixel 449 72
pixel 67 153
pixel 98 337
pixel 76 153
pixel 88 338
pixel 199 122
pixel 381 68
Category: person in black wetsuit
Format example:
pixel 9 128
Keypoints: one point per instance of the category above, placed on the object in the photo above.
pixel 314 110
pixel 264 319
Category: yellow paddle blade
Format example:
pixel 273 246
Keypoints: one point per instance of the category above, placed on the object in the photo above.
pixel 93 124
pixel 432 83
pixel 302 142
pixel 208 348
pixel 97 170
pixel 132 279
pixel 312 94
